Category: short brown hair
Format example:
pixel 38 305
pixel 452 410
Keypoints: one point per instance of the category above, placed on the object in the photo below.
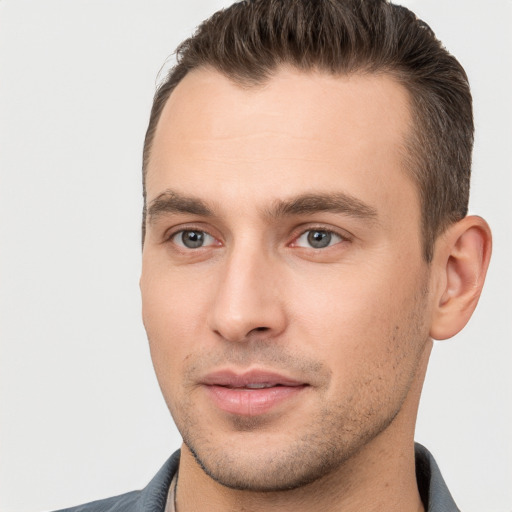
pixel 248 41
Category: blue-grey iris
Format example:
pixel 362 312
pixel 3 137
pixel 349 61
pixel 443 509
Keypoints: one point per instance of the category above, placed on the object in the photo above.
pixel 192 239
pixel 319 239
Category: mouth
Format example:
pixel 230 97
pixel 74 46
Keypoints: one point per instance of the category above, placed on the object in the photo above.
pixel 251 393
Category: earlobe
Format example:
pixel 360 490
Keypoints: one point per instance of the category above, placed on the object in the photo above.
pixel 462 256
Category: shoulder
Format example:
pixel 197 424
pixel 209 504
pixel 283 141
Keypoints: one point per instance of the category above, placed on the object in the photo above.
pixel 150 499
pixel 126 502
pixel 433 490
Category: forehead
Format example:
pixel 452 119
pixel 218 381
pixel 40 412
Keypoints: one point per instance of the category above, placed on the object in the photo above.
pixel 294 132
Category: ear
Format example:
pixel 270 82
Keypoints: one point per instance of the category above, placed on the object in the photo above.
pixel 461 258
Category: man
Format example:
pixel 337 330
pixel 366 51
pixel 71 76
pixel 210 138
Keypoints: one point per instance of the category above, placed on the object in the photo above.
pixel 305 237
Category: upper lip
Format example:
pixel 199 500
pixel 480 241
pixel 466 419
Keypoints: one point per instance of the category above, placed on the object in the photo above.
pixel 233 379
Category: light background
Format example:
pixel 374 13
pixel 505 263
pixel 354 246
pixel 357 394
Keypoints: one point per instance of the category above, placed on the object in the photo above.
pixel 81 412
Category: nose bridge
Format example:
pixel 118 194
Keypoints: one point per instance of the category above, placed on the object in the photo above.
pixel 247 298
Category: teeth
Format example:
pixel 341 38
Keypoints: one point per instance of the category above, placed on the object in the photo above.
pixel 259 385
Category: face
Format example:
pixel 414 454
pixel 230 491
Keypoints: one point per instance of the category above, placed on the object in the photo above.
pixel 284 292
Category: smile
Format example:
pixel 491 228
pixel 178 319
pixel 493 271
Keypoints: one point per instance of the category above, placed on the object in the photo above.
pixel 252 393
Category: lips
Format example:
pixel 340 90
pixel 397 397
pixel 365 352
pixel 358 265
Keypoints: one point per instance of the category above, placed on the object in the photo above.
pixel 251 393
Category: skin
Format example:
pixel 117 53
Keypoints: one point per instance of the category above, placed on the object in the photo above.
pixel 352 321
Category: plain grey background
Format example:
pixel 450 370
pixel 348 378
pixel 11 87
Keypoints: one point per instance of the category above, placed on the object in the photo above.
pixel 81 413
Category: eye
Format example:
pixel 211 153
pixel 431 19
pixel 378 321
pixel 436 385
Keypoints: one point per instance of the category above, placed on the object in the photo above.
pixel 317 239
pixel 192 239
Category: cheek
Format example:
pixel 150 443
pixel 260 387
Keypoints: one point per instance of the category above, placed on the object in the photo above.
pixel 341 300
pixel 359 322
pixel 170 297
pixel 171 311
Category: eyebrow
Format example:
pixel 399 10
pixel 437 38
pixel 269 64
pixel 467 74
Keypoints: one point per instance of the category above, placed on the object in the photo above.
pixel 337 202
pixel 305 204
pixel 173 202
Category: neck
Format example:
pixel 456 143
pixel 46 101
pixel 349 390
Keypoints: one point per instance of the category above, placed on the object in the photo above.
pixel 381 476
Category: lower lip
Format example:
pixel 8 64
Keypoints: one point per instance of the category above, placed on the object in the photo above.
pixel 251 402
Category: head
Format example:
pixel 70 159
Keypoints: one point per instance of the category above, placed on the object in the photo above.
pixel 306 178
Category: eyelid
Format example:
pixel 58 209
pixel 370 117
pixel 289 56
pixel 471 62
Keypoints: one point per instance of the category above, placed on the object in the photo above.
pixel 176 240
pixel 176 230
pixel 342 234
pixel 170 233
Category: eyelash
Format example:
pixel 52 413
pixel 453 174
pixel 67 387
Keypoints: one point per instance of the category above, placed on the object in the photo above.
pixel 322 229
pixel 188 229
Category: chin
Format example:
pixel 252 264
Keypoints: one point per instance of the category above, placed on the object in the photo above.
pixel 262 472
pixel 257 462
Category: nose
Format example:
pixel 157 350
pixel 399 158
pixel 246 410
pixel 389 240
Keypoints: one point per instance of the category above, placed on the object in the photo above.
pixel 248 299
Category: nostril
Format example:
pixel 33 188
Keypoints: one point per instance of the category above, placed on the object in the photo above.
pixel 260 329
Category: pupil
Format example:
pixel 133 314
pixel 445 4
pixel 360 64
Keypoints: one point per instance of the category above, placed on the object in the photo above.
pixel 319 239
pixel 192 239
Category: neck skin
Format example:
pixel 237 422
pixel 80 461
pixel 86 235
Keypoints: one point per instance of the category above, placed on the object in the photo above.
pixel 380 477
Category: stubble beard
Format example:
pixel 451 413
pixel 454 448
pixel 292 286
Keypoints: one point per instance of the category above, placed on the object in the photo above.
pixel 303 461
pixel 333 436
